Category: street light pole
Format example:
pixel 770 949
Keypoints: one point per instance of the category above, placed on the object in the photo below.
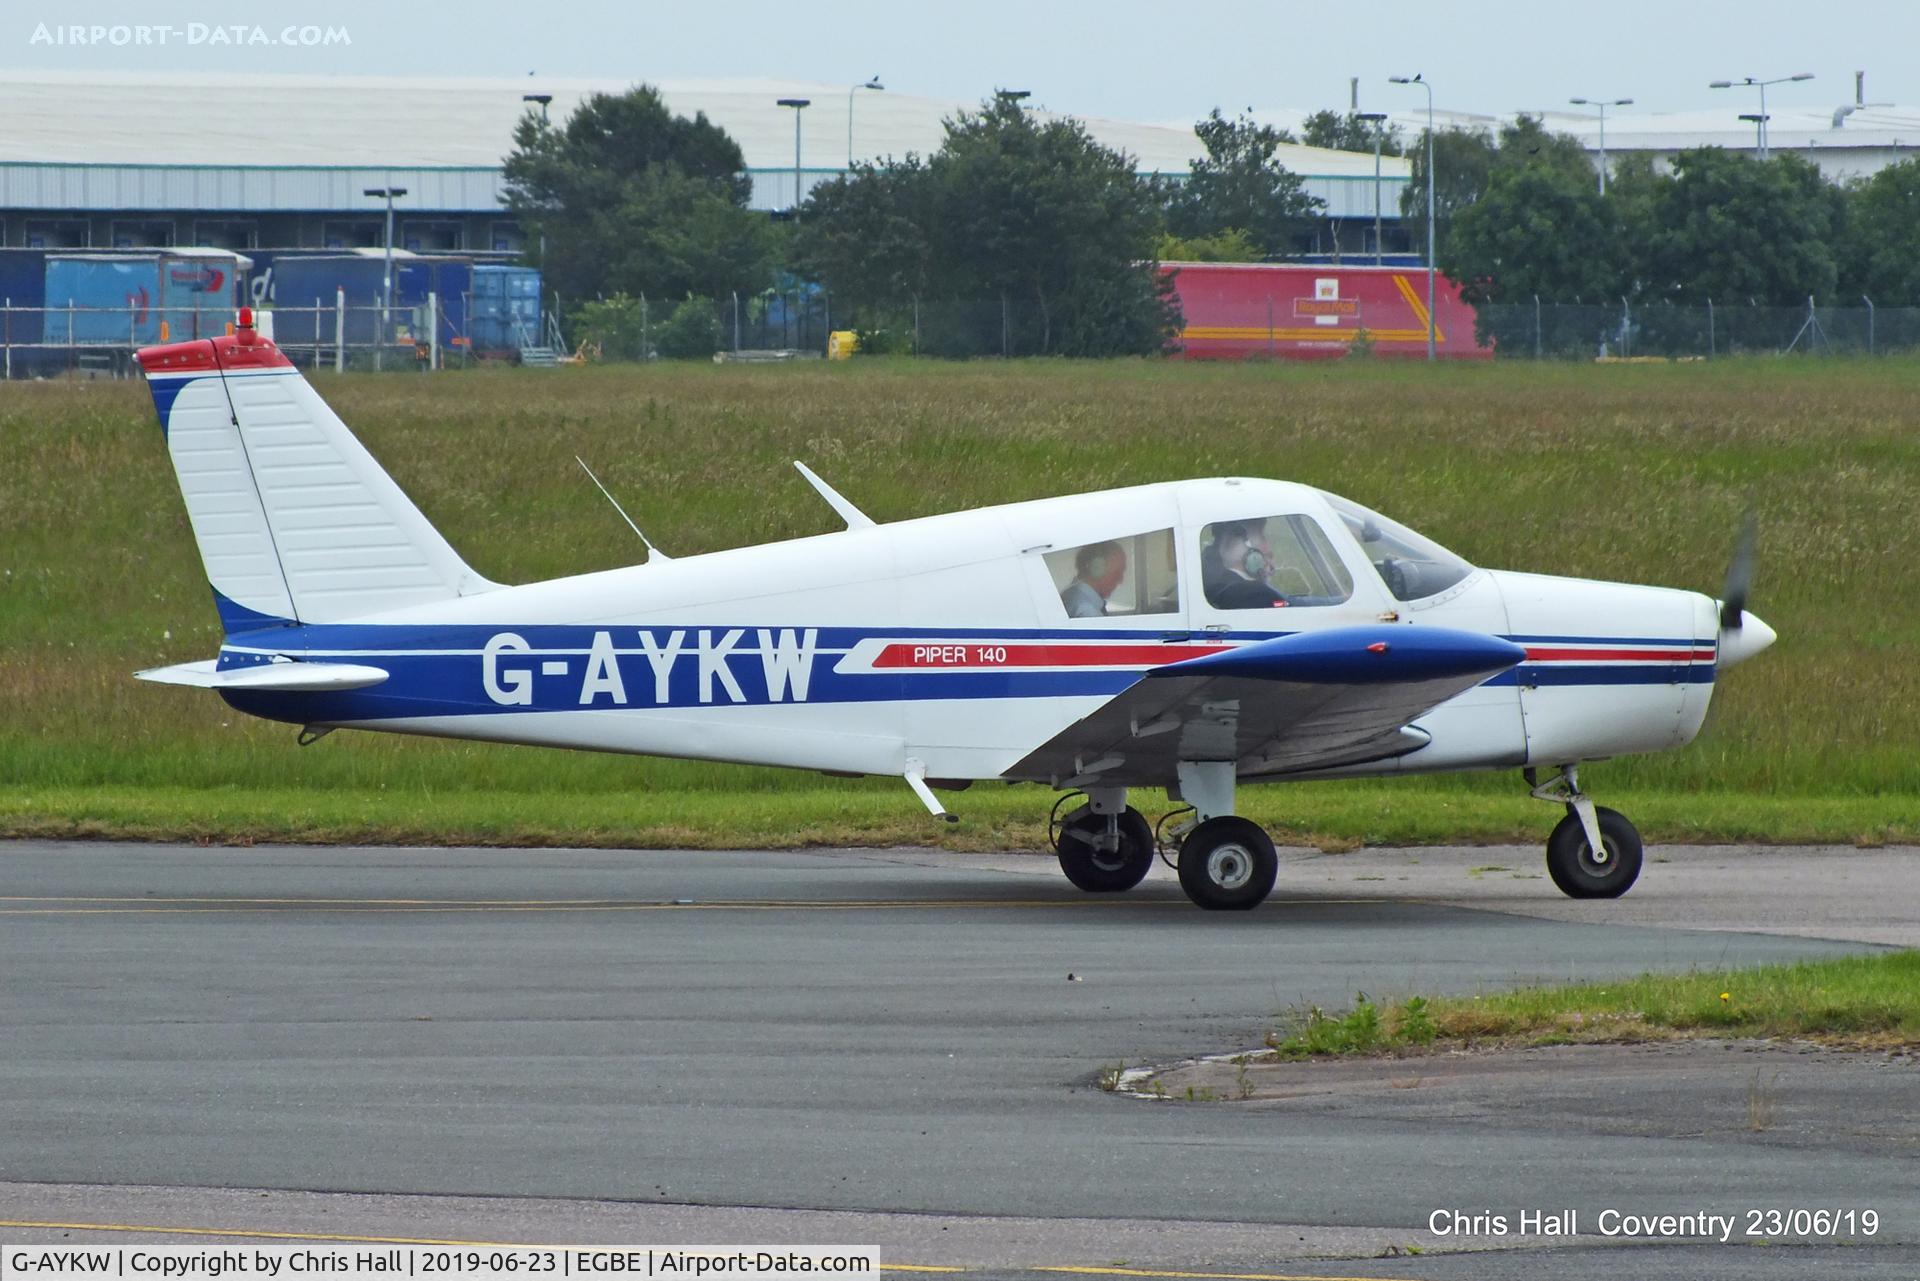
pixel 798 105
pixel 1378 119
pixel 1764 144
pixel 386 303
pixel 1603 104
pixel 1424 84
pixel 873 83
pixel 543 99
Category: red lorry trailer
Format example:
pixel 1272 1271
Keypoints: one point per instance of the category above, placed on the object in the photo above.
pixel 1242 310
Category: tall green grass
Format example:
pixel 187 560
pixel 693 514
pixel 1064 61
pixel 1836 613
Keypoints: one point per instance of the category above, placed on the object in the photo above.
pixel 1637 473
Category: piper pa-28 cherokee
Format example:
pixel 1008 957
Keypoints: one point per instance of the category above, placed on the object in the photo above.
pixel 1190 635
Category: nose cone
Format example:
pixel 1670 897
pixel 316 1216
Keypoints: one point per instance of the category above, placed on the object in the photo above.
pixel 1740 643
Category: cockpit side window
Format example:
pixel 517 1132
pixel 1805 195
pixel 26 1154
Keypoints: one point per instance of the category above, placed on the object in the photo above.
pixel 1269 562
pixel 1118 578
pixel 1412 565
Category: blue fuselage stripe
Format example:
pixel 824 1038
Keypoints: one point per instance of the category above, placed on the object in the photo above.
pixel 448 671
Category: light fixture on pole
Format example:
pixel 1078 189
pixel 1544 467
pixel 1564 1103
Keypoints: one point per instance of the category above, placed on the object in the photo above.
pixel 1012 95
pixel 1423 83
pixel 874 83
pixel 1602 104
pixel 1378 121
pixel 1764 148
pixel 386 292
pixel 1759 123
pixel 798 105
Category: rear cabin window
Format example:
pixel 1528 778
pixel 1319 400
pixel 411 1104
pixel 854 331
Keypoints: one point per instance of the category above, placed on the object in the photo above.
pixel 1271 562
pixel 1117 578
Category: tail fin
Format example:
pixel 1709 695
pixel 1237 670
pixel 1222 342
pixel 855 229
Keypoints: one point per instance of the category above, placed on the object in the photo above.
pixel 295 520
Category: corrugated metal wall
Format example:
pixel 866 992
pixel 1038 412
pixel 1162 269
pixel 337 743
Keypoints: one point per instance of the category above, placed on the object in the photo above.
pixel 245 189
pixel 193 188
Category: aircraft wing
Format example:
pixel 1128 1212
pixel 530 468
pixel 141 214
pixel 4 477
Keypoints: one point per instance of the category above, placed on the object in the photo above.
pixel 1311 700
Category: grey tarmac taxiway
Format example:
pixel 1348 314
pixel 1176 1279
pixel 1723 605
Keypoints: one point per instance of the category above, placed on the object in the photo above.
pixel 898 1047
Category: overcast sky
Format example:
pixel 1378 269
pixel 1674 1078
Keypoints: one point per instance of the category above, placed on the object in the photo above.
pixel 1123 58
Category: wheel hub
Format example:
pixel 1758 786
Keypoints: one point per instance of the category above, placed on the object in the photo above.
pixel 1230 866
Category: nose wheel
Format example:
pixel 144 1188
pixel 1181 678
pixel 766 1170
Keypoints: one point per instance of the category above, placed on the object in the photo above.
pixel 1579 870
pixel 1594 852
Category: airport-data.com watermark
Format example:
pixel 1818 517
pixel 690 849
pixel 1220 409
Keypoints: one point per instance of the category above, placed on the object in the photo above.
pixel 235 35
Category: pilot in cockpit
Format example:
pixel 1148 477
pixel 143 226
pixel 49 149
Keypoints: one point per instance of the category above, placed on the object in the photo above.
pixel 1237 567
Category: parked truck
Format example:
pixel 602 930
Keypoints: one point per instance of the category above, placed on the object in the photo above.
pixel 1251 310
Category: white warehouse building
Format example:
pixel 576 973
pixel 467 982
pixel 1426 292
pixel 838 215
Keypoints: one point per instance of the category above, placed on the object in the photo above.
pixel 131 160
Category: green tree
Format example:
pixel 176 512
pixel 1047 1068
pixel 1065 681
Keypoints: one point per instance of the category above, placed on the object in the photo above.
pixel 1732 228
pixel 1881 246
pixel 1463 159
pixel 1033 218
pixel 629 197
pixel 1349 132
pixel 867 233
pixel 1467 160
pixel 1526 142
pixel 1231 245
pixel 1239 184
pixel 1538 232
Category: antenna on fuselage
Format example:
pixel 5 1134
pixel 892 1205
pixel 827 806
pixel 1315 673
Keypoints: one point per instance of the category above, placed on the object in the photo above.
pixel 653 553
pixel 855 518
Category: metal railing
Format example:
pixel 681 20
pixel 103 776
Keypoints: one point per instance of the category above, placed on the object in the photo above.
pixel 337 333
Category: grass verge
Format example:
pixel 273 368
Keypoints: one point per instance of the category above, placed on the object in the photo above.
pixel 1328 816
pixel 1868 1002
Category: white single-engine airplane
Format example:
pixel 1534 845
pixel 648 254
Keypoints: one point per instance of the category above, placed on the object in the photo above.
pixel 1190 635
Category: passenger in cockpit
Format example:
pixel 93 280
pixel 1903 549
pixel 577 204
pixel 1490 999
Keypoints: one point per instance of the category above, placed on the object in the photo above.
pixel 1097 570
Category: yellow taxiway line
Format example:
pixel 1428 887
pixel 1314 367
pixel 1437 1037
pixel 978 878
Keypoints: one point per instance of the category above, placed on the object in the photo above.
pixel 85 906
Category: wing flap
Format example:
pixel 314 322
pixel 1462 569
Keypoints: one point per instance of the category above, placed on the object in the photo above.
pixel 1307 701
pixel 285 676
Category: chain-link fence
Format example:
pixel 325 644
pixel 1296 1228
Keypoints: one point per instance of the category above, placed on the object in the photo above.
pixel 341 333
pixel 1586 331
pixel 802 323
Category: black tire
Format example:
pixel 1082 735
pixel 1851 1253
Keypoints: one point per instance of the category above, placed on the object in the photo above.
pixel 1227 864
pixel 1099 871
pixel 1570 860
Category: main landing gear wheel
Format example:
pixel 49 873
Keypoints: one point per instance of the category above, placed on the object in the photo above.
pixel 1578 872
pixel 1227 864
pixel 1103 860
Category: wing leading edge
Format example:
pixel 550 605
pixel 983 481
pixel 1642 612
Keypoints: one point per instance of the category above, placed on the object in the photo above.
pixel 1312 700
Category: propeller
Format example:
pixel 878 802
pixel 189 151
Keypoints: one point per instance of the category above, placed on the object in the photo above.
pixel 1733 597
pixel 1742 635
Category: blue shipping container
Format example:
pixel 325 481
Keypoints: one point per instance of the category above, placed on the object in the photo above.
pixel 506 308
pixel 293 283
pixel 23 280
pixel 140 298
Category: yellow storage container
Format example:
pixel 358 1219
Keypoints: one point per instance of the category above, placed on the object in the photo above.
pixel 842 343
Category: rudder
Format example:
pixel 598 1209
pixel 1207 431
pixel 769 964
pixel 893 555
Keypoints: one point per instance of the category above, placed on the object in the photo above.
pixel 295 520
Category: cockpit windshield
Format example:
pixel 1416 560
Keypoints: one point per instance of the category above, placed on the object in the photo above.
pixel 1413 566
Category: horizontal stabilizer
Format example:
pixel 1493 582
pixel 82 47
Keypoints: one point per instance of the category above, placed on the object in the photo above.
pixel 284 675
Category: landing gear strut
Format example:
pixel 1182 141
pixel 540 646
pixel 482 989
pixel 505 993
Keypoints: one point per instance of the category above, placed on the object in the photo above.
pixel 1594 852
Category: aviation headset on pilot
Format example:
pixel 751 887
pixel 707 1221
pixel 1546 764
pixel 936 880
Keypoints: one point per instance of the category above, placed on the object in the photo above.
pixel 1253 561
